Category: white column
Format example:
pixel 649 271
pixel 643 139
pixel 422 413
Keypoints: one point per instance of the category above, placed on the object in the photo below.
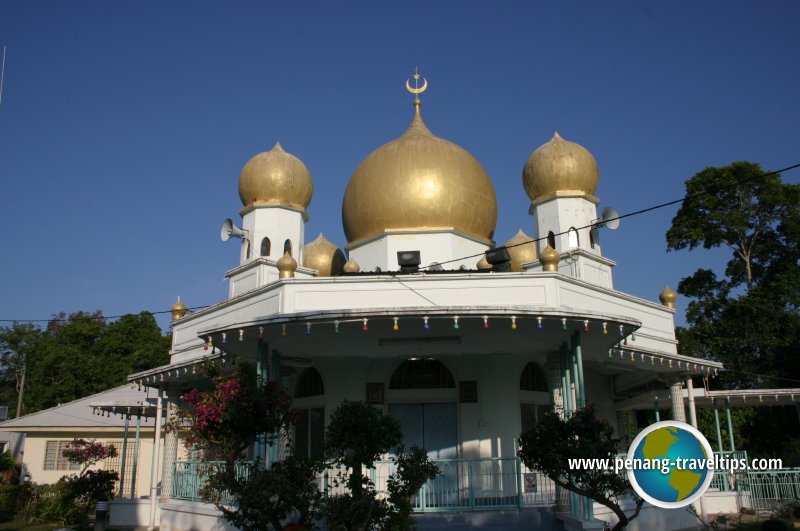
pixel 676 395
pixel 170 445
pixel 154 465
pixel 692 411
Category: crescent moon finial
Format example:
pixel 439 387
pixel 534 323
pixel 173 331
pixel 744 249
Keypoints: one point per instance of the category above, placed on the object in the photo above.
pixel 417 89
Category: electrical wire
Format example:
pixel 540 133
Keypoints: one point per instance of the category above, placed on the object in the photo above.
pixel 438 264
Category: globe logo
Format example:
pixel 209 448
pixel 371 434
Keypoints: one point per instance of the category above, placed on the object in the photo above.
pixel 671 464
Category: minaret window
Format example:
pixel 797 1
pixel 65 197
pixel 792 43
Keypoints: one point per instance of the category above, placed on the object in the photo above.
pixel 572 237
pixel 245 249
pixel 287 247
pixel 265 247
pixel 551 239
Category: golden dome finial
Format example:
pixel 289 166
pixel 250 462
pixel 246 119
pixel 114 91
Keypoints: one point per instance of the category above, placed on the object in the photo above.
pixel 178 309
pixel 417 90
pixel 668 297
pixel 287 266
pixel 522 249
pixel 549 259
pixel 483 264
pixel 351 266
pixel 560 166
pixel 275 177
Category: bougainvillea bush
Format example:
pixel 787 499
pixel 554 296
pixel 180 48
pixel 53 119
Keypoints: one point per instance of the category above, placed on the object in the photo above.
pixel 223 420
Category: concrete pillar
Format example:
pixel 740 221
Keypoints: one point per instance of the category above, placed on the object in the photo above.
pixel 124 454
pixel 154 464
pixel 580 385
pixel 676 395
pixel 692 410
pixel 554 380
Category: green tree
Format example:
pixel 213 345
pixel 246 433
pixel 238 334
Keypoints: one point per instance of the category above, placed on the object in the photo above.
pixel 550 445
pixel 18 344
pixel 76 355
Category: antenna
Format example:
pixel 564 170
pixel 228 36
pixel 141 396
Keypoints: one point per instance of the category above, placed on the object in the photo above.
pixel 2 74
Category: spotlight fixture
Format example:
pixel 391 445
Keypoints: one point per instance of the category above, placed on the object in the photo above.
pixel 408 261
pixel 500 259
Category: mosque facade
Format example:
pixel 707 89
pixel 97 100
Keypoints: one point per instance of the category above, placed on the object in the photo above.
pixel 422 316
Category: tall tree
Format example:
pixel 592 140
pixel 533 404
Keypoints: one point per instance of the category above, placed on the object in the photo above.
pixel 76 355
pixel 746 315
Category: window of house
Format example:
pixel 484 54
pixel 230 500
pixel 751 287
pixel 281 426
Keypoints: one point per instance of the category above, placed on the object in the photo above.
pixel 309 384
pixel 422 373
pixel 54 456
pixel 309 432
pixel 533 378
pixel 265 247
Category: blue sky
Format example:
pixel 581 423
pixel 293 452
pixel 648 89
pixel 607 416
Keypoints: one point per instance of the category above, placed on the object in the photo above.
pixel 124 125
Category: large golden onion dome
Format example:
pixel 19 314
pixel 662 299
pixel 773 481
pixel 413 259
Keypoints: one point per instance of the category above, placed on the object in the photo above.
pixel 522 249
pixel 323 256
pixel 275 177
pixel 560 166
pixel 419 181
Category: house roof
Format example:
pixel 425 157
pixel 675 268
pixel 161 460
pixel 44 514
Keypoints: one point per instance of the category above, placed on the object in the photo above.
pixel 81 413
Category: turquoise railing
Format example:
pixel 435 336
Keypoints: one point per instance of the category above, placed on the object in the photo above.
pixel 497 483
pixel 464 484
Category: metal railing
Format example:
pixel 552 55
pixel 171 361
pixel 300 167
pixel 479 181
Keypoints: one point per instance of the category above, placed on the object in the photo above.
pixel 496 483
pixel 464 484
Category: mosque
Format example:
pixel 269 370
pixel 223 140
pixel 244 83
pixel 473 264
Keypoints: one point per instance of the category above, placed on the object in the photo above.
pixel 422 316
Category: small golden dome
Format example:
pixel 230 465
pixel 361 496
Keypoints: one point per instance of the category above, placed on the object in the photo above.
pixel 668 297
pixel 178 309
pixel 483 264
pixel 549 259
pixel 560 166
pixel 351 266
pixel 323 256
pixel 522 249
pixel 287 265
pixel 419 181
pixel 275 177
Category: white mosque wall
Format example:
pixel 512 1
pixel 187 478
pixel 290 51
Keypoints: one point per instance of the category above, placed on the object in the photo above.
pixel 434 246
pixel 545 292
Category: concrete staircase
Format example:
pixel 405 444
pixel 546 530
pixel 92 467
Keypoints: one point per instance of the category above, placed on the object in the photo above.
pixel 538 518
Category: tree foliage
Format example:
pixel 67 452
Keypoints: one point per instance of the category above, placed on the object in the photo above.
pixel 747 314
pixel 552 442
pixel 76 355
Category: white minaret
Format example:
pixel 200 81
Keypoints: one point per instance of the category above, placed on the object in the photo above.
pixel 275 188
pixel 561 178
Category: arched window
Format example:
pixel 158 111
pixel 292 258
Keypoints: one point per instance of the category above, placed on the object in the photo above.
pixel 265 247
pixel 572 237
pixel 245 249
pixel 419 373
pixel 591 238
pixel 551 239
pixel 533 378
pixel 287 247
pixel 309 384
